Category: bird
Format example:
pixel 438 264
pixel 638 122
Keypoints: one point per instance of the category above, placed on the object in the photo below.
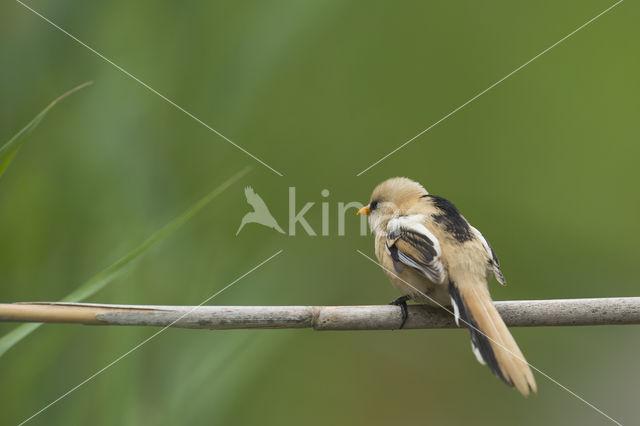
pixel 260 213
pixel 432 255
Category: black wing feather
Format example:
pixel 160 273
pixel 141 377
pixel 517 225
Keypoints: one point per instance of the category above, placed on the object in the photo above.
pixel 478 339
pixel 416 250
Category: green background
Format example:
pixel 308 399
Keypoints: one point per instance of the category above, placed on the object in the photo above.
pixel 545 164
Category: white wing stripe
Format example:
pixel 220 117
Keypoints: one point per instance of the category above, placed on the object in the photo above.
pixel 456 311
pixel 493 260
pixel 483 241
pixel 477 353
pixel 414 223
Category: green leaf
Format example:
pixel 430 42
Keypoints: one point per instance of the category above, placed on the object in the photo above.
pixel 11 148
pixel 107 275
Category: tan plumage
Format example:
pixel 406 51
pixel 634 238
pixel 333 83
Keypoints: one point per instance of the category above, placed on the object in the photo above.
pixel 433 255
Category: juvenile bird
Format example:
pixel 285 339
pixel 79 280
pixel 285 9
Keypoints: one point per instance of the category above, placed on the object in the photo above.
pixel 433 255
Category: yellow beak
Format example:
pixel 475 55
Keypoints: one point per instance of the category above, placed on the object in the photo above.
pixel 365 210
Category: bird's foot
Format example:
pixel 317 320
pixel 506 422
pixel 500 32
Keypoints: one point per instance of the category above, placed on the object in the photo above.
pixel 402 303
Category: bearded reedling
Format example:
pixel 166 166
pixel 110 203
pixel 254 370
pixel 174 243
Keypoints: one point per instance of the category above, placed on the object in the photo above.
pixel 433 255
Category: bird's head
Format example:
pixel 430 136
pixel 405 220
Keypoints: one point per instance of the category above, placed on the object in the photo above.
pixel 391 198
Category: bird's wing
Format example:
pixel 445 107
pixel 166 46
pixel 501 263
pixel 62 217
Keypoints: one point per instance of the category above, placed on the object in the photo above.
pixel 255 200
pixel 494 263
pixel 410 243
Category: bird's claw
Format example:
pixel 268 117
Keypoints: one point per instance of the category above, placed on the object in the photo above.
pixel 402 303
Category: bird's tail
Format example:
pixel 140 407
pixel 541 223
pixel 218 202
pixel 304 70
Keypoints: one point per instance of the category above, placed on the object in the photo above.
pixel 491 341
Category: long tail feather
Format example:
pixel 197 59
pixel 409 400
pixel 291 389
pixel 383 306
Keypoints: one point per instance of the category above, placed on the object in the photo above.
pixel 491 341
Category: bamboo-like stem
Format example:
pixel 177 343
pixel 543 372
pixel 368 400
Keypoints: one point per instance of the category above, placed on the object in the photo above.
pixel 523 313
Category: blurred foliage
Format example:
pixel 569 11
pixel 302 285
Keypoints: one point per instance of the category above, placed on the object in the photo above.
pixel 544 164
pixel 9 150
pixel 111 272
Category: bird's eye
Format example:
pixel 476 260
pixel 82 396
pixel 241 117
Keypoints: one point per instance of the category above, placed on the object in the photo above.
pixel 373 205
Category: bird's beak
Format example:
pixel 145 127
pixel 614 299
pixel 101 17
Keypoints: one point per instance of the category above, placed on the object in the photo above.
pixel 365 210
